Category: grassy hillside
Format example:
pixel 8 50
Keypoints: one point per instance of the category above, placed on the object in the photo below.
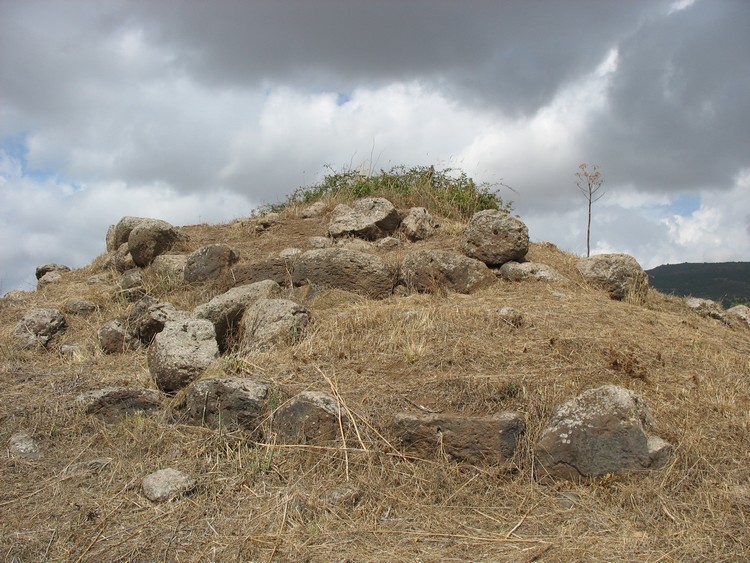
pixel 367 500
pixel 725 282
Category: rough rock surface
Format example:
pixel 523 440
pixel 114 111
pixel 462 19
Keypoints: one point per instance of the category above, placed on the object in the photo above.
pixel 495 237
pixel 510 316
pixel 344 269
pixel 226 310
pixel 166 484
pixel 131 284
pixel 272 322
pixel 433 270
pixel 150 238
pixel 210 263
pixel 603 430
pixel 45 269
pixel 473 439
pixel 368 218
pixel 227 403
pixel 741 312
pixel 419 224
pixel 118 234
pixel 315 210
pixel 39 327
pixel 120 259
pixel 274 268
pixel 148 316
pixel 618 274
pixel 312 417
pixel 112 403
pixel 707 308
pixel 519 271
pixel 169 265
pixel 114 338
pixel 79 307
pixel 182 352
pixel 320 242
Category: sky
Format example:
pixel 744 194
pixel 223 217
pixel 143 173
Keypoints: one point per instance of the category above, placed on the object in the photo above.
pixel 199 112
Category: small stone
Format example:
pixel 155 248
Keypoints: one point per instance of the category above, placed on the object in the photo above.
pixel 23 446
pixel 166 484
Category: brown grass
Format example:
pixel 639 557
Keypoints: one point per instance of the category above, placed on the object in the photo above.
pixel 365 500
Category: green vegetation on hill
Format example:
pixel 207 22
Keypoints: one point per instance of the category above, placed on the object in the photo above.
pixel 448 192
pixel 725 282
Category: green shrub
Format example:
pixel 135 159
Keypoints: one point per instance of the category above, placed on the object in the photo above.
pixel 449 192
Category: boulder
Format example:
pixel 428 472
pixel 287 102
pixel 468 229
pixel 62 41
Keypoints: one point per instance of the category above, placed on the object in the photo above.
pixel 419 224
pixel 472 439
pixel 226 310
pixel 113 403
pixel 167 484
pixel 315 210
pixel 210 263
pixel 368 218
pixel 311 417
pixel 495 237
pixel 388 243
pixel 148 316
pixel 603 430
pixel 118 234
pixel 120 259
pixel 433 270
pixel 618 274
pixel 169 265
pixel 741 312
pixel 150 238
pixel 290 254
pixel 131 284
pixel 357 244
pixel 228 403
pixel 49 278
pixel 271 322
pixel 267 221
pixel 706 308
pixel 114 338
pixel 45 269
pixel 274 268
pixel 519 271
pixel 320 242
pixel 182 352
pixel 39 327
pixel 79 307
pixel 344 269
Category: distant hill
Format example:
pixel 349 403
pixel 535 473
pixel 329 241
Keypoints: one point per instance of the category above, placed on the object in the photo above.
pixel 722 281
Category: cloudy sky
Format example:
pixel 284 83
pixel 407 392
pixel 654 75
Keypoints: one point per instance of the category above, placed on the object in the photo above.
pixel 197 111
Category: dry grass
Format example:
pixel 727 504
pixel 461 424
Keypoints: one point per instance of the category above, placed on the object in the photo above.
pixel 364 500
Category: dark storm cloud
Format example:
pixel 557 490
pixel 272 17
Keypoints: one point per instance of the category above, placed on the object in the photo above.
pixel 509 55
pixel 679 102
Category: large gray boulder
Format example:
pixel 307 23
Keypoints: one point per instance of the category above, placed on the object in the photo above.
pixel 311 417
pixel 519 271
pixel 229 403
pixel 473 439
pixel 273 322
pixel 344 269
pixel 39 327
pixel 620 275
pixel 419 224
pixel 150 238
pixel 368 218
pixel 603 430
pixel 275 268
pixel 495 237
pixel 226 310
pixel 181 352
pixel 210 263
pixel 118 234
pixel 169 265
pixel 120 259
pixel 433 270
pixel 706 308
